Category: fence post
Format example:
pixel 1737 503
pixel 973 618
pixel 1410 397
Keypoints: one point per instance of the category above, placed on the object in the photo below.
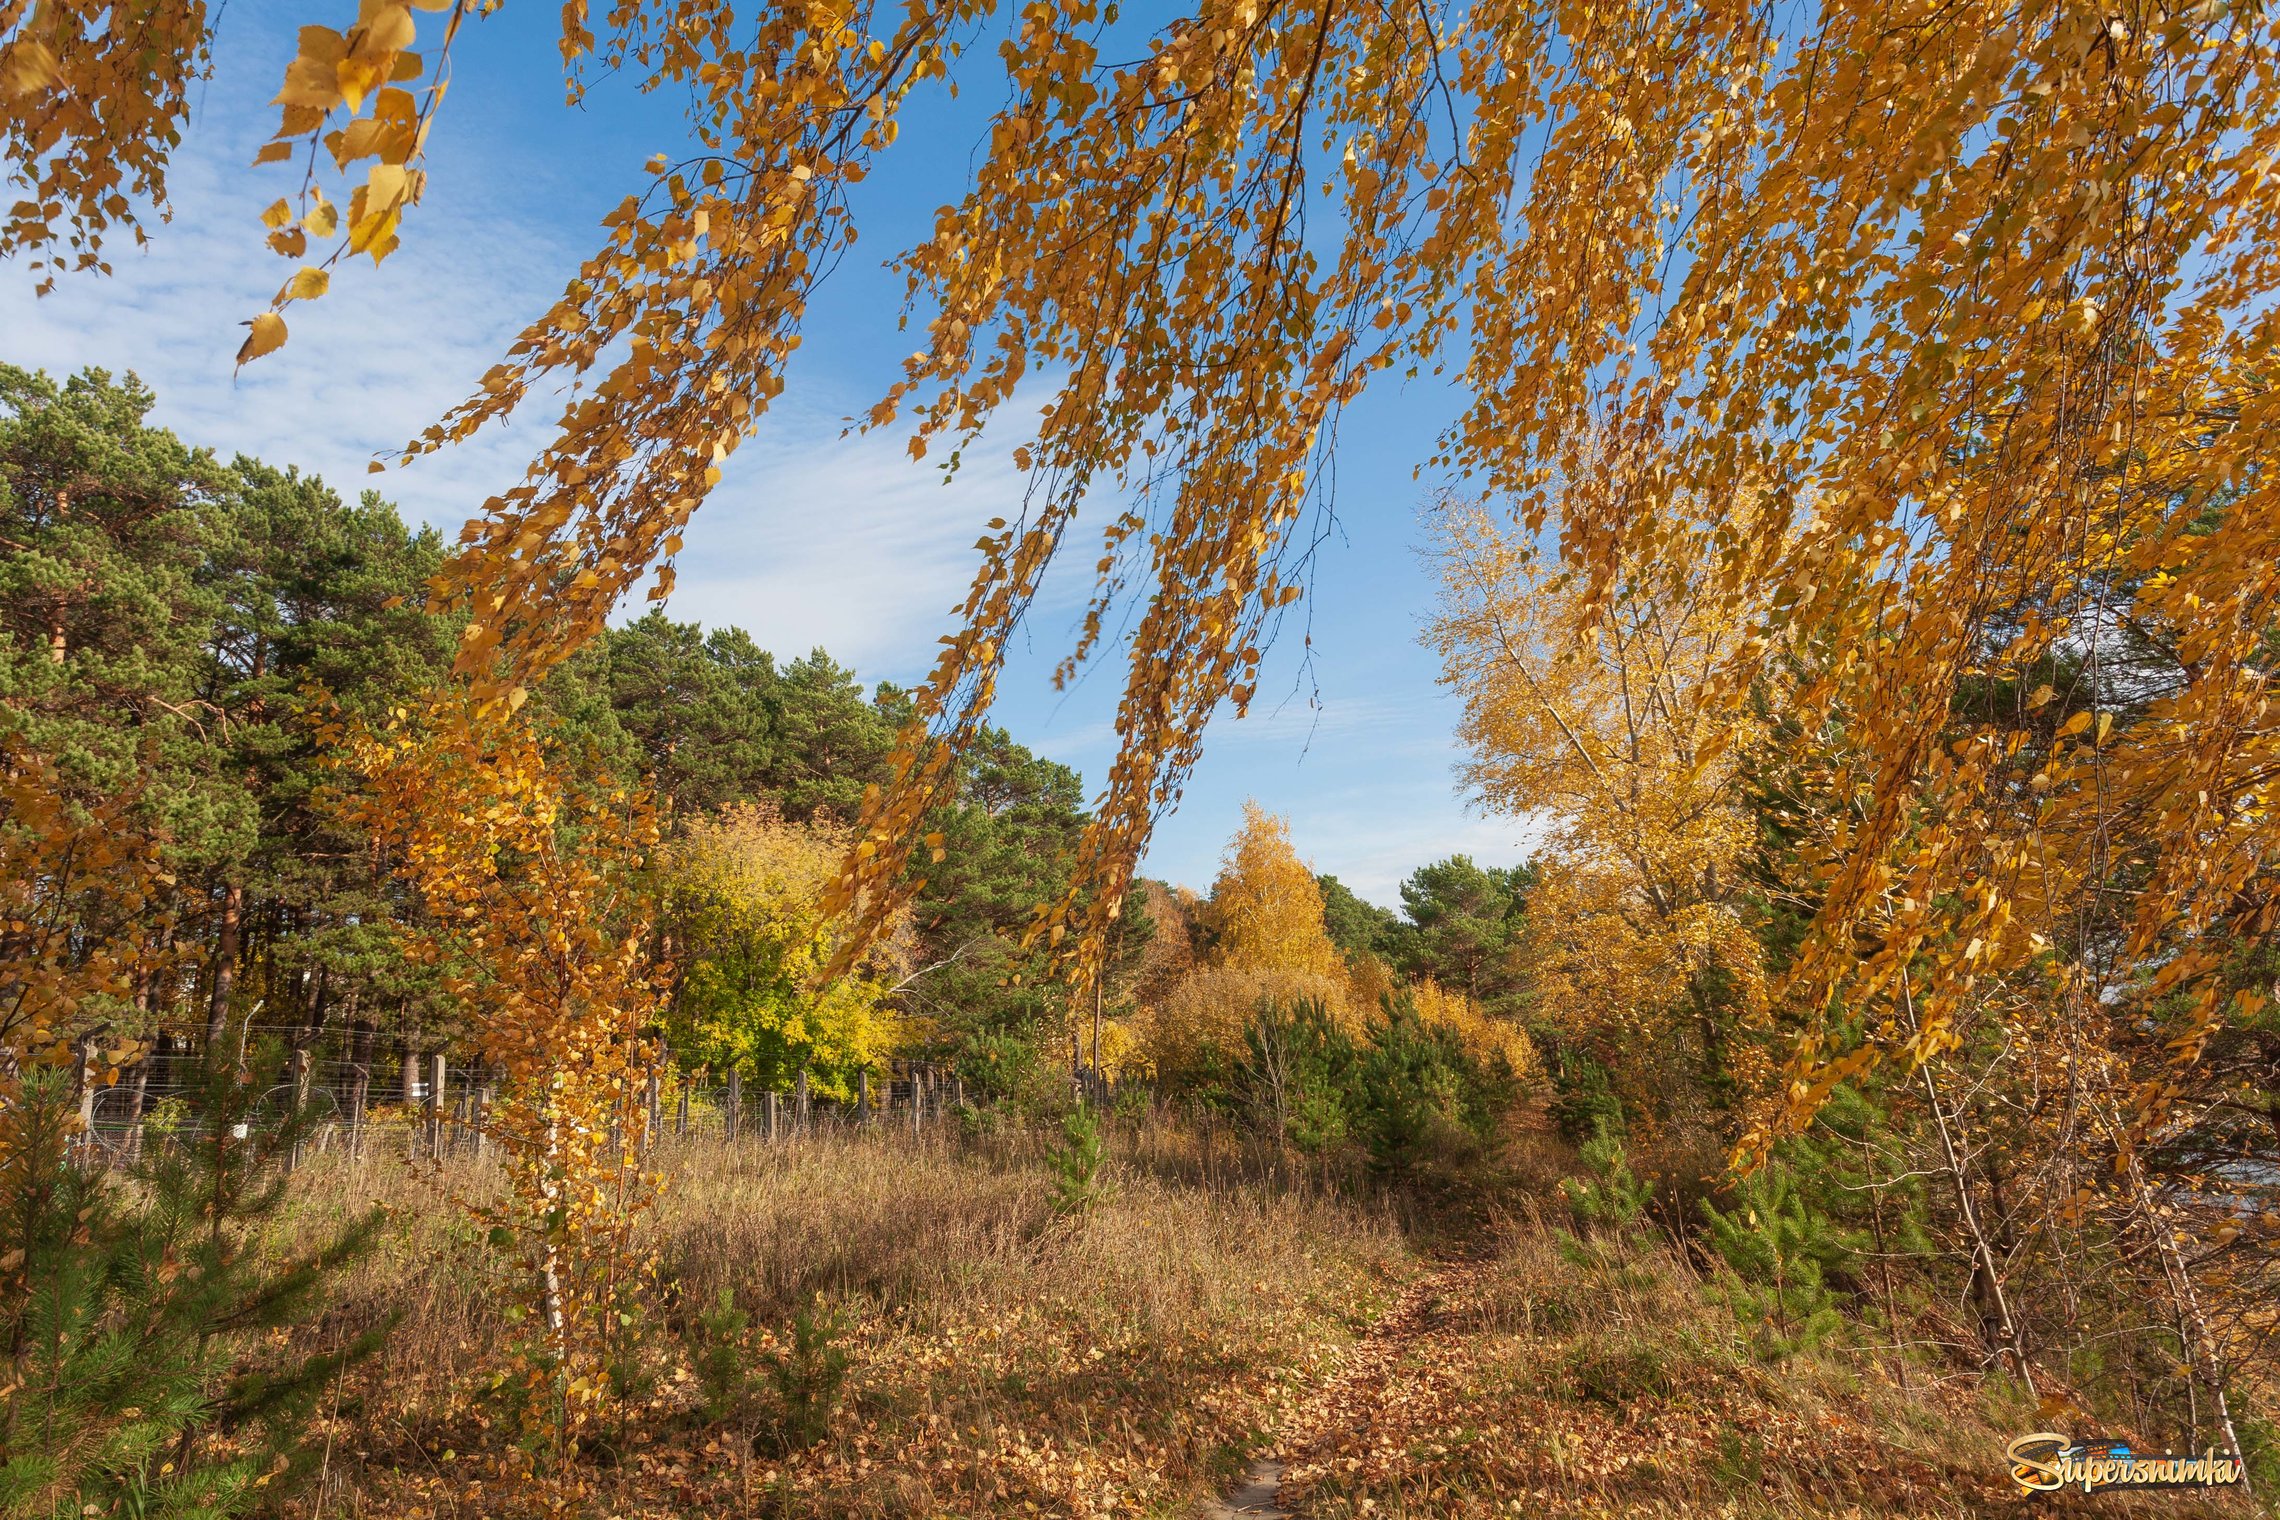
pixel 83 1079
pixel 651 1122
pixel 735 1100
pixel 300 1065
pixel 917 1099
pixel 482 1107
pixel 137 1095
pixel 771 1117
pixel 863 1096
pixel 800 1103
pixel 438 1082
pixel 681 1110
pixel 359 1083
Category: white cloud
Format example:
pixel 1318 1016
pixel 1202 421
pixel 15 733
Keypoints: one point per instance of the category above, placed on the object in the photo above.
pixel 847 542
pixel 367 367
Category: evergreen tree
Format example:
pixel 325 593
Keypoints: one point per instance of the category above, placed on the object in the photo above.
pixel 136 1317
pixel 1462 926
pixel 1356 925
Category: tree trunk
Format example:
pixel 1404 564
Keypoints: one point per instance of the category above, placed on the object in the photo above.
pixel 225 967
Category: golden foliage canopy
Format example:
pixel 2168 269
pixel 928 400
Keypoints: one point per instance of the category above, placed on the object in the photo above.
pixel 1265 911
pixel 1610 719
pixel 1268 943
pixel 1989 284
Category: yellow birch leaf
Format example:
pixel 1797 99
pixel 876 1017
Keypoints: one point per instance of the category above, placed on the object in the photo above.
pixel 266 337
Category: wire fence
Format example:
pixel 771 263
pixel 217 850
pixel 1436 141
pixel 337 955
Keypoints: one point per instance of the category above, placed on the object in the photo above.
pixel 358 1090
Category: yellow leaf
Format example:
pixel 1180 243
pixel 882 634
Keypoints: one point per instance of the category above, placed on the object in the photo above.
pixel 322 44
pixel 310 85
pixel 266 337
pixel 306 285
pixel 30 68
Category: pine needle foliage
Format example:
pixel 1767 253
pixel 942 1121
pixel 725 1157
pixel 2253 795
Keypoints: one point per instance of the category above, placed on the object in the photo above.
pixel 136 1311
pixel 1777 1256
pixel 1609 1197
pixel 1080 1163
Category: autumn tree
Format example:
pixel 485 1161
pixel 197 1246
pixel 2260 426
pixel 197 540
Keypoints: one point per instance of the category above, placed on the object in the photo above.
pixel 1604 717
pixel 1978 302
pixel 529 870
pixel 745 893
pixel 1267 943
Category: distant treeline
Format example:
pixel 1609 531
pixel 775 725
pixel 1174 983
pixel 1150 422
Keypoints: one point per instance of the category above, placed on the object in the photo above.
pixel 181 626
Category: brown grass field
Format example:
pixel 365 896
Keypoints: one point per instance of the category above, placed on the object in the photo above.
pixel 1134 1359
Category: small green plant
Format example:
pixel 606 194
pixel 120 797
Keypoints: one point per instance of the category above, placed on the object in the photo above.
pixel 1609 1197
pixel 809 1376
pixel 1777 1254
pixel 1080 1163
pixel 718 1356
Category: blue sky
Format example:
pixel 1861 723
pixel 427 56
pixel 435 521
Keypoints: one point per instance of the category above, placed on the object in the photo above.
pixel 813 538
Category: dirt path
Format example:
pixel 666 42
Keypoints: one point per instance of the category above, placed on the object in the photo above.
pixel 1344 1401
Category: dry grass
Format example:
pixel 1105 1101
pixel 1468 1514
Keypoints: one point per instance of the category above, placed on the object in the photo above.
pixel 1003 1360
pixel 1567 1378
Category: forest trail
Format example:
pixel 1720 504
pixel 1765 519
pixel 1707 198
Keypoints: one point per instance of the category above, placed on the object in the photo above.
pixel 1347 1401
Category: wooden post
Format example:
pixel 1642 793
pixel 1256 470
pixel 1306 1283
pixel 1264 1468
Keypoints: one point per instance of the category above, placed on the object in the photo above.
pixel 652 1123
pixel 772 1114
pixel 681 1111
pixel 916 1105
pixel 359 1082
pixel 83 1078
pixel 735 1097
pixel 863 1096
pixel 409 1088
pixel 300 1066
pixel 800 1102
pixel 438 1085
pixel 482 1114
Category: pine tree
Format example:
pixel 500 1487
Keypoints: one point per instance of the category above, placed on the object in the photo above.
pixel 1610 1197
pixel 134 1314
pixel 1080 1163
pixel 1778 1254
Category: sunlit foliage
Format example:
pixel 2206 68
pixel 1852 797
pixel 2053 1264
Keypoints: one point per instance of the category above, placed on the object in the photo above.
pixel 537 914
pixel 1605 720
pixel 745 894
